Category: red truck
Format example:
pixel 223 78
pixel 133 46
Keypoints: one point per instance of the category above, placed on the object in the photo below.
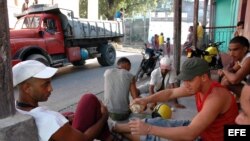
pixel 53 35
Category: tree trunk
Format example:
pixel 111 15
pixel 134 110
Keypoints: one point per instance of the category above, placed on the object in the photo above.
pixel 7 107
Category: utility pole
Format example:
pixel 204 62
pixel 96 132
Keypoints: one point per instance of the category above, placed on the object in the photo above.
pixel 196 8
pixel 24 126
pixel 177 34
pixel 212 18
pixel 7 107
pixel 204 22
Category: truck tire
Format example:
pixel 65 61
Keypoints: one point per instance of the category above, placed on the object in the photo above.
pixel 108 55
pixel 39 58
pixel 79 63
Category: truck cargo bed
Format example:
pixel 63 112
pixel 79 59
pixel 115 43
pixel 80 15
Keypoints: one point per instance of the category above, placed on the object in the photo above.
pixel 83 28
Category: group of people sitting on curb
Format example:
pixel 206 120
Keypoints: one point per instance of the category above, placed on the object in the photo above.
pixel 215 101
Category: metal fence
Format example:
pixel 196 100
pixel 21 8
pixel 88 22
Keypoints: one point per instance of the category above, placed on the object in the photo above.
pixel 136 31
pixel 218 34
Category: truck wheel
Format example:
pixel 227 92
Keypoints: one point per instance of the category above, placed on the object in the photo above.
pixel 39 58
pixel 79 63
pixel 108 55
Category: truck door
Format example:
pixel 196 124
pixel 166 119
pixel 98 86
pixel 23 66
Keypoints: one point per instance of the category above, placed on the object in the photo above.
pixel 53 35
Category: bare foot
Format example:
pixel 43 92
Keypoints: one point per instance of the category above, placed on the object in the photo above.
pixel 177 105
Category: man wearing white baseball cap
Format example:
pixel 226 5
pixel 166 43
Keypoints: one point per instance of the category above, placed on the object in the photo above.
pixel 162 78
pixel 31 68
pixel 33 80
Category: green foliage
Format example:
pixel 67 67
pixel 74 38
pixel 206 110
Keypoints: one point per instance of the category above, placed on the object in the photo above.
pixel 107 8
pixel 83 8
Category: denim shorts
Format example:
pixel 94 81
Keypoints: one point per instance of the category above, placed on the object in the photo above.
pixel 162 123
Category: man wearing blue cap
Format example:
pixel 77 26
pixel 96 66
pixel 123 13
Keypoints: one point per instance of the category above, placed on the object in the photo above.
pixel 215 104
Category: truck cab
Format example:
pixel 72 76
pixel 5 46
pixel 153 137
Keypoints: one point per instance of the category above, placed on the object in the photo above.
pixel 38 34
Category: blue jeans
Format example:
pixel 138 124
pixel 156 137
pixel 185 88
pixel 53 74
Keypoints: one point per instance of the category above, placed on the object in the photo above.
pixel 162 123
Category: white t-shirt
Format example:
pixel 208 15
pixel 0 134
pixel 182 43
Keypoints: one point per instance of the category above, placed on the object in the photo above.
pixel 156 78
pixel 47 121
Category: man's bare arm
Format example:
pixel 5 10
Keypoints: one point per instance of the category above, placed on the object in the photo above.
pixel 151 89
pixel 235 78
pixel 67 133
pixel 133 89
pixel 167 94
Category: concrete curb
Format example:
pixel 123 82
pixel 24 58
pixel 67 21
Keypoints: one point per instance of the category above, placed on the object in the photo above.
pixel 18 128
